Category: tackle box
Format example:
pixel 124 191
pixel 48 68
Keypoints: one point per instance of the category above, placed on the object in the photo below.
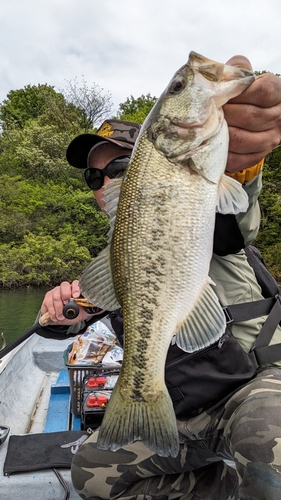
pixel 77 375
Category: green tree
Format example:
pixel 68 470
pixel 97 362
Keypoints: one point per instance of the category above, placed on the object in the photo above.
pixel 37 126
pixel 54 209
pixel 257 73
pixel 50 225
pixel 136 109
pixel 64 116
pixel 41 261
pixel 36 152
pixel 48 232
pixel 25 104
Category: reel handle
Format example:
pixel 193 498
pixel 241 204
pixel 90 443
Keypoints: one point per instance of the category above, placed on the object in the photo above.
pixel 70 310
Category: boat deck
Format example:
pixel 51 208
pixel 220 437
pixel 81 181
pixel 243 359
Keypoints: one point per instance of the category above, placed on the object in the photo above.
pixel 35 384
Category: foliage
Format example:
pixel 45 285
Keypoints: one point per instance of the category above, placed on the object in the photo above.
pixel 41 261
pixel 62 115
pixel 136 109
pixel 50 226
pixel 258 73
pixel 36 152
pixel 268 239
pixel 50 209
pixel 48 232
pixel 37 126
pixel 25 104
pixel 272 256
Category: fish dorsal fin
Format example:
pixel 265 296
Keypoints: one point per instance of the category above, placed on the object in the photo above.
pixel 232 198
pixel 96 283
pixel 204 325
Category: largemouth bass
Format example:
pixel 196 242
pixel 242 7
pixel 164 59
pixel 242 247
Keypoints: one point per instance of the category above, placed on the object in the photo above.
pixel 160 245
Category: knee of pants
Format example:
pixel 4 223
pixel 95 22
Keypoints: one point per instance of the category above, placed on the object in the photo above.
pixel 89 477
pixel 255 430
pixel 254 434
pixel 95 471
pixel 77 473
pixel 260 481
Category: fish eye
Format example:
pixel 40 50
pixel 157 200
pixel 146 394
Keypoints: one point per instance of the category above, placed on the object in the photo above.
pixel 176 86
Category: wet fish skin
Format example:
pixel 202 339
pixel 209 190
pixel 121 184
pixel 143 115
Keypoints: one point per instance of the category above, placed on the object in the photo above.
pixel 160 247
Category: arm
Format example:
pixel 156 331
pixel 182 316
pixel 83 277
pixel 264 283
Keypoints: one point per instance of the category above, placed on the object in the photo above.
pixel 254 121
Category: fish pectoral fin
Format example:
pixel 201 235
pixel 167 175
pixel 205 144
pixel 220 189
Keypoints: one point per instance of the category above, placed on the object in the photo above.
pixel 232 198
pixel 204 325
pixel 96 282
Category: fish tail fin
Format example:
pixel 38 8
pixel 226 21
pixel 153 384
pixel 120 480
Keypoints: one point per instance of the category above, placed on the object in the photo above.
pixel 152 423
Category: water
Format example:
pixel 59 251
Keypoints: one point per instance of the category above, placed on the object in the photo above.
pixel 18 310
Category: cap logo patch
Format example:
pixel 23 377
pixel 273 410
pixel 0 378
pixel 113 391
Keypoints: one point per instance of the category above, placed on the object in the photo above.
pixel 106 130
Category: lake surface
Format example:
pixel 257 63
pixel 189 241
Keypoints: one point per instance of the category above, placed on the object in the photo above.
pixel 18 310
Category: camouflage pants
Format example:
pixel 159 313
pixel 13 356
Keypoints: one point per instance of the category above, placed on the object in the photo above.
pixel 244 429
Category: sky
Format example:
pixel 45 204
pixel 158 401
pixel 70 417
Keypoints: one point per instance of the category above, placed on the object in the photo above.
pixel 130 47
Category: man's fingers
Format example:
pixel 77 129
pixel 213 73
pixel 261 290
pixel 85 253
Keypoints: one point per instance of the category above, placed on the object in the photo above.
pixel 251 118
pixel 238 162
pixel 241 62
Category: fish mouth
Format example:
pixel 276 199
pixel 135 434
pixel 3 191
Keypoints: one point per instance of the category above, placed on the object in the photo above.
pixel 187 130
pixel 213 120
pixel 178 125
pixel 190 138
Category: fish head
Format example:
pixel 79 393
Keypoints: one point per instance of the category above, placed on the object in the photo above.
pixel 189 111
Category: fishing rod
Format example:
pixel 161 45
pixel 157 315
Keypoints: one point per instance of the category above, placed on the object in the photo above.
pixel 70 311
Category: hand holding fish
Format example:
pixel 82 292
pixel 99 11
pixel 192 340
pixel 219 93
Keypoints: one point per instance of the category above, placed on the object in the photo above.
pixel 254 120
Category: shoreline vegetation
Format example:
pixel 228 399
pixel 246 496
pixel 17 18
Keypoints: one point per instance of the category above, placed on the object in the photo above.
pixel 50 224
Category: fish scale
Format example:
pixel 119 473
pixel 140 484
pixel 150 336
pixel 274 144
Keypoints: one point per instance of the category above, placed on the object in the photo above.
pixel 167 213
pixel 156 264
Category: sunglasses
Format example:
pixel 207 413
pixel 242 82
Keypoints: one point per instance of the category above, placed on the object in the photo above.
pixel 94 177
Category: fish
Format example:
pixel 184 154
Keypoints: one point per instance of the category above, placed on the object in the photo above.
pixel 156 264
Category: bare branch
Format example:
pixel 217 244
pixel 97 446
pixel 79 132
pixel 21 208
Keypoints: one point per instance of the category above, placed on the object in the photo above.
pixel 95 105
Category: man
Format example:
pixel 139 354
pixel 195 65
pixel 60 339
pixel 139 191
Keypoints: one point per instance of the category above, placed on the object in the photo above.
pixel 243 428
pixel 108 151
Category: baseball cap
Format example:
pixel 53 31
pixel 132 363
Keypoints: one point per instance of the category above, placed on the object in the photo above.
pixel 119 132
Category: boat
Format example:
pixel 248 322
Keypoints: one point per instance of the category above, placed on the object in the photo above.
pixel 37 400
